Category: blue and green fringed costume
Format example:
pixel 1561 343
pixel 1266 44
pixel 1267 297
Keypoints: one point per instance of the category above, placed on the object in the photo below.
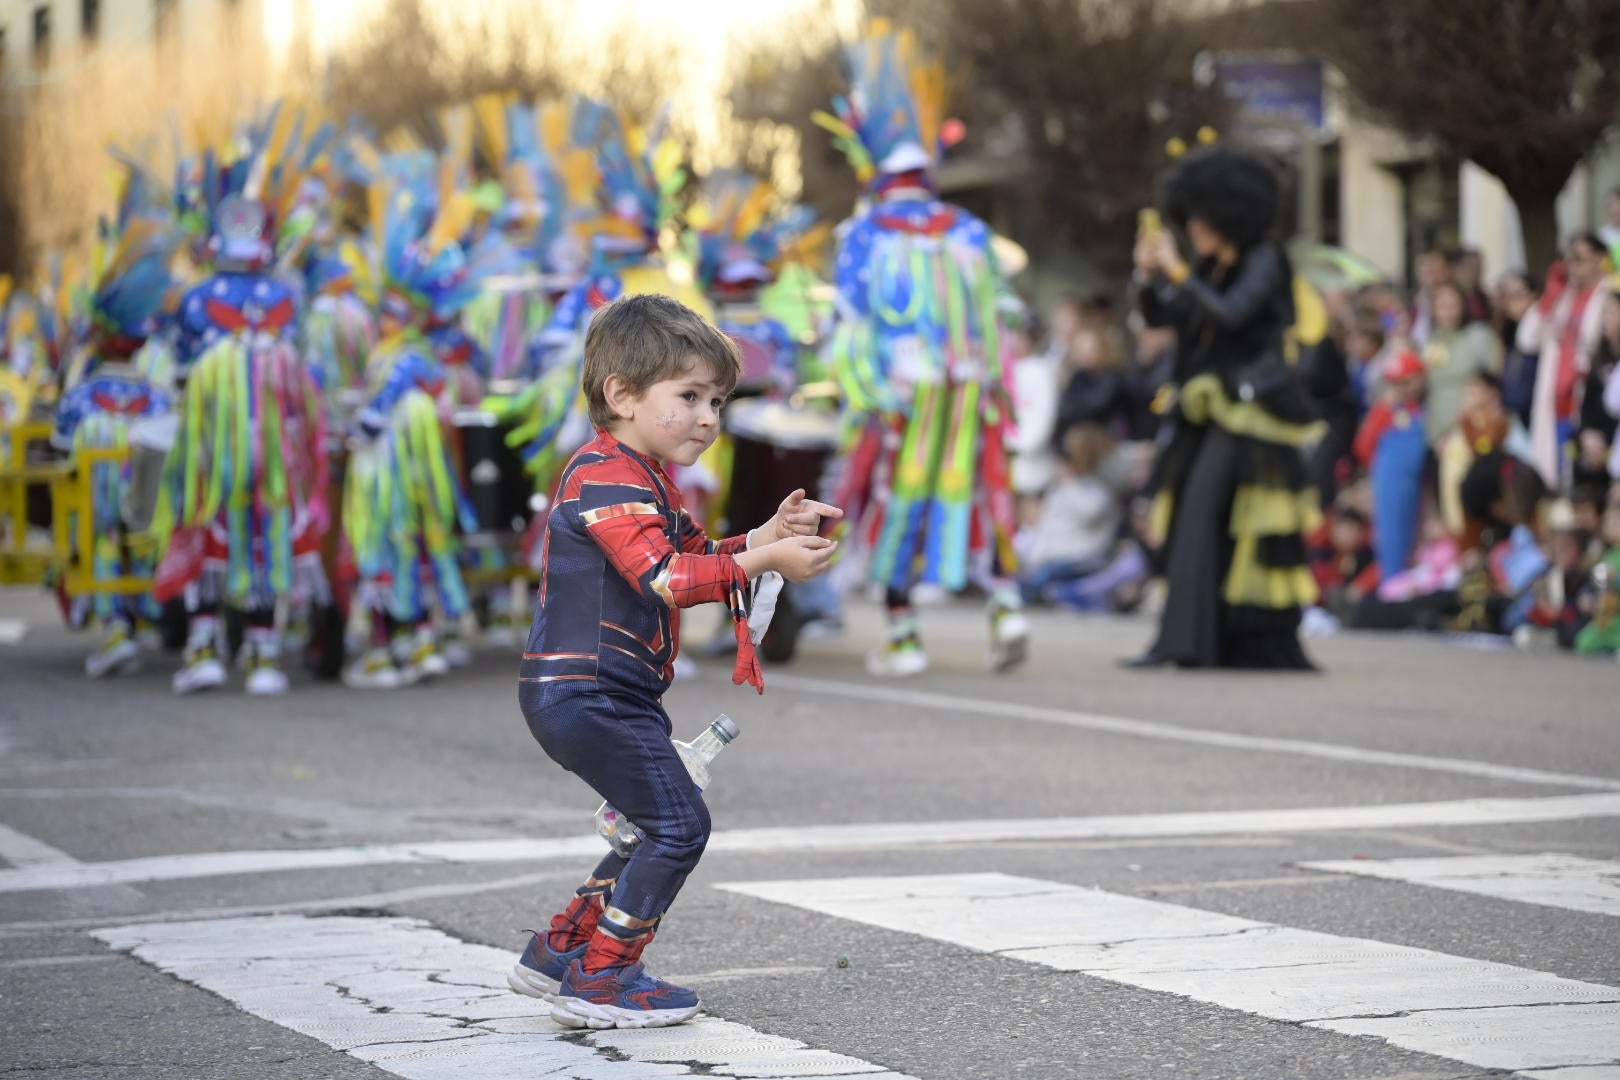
pixel 403 505
pixel 918 355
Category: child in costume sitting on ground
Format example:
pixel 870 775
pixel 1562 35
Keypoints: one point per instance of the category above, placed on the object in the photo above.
pixel 619 559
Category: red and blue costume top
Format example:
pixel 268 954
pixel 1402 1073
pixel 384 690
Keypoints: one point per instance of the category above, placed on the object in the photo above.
pixel 620 557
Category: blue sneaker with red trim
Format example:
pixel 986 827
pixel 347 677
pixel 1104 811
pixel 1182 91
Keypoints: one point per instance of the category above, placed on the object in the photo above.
pixel 621 997
pixel 540 969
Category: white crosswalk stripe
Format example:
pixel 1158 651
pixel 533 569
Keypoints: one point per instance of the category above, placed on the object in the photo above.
pixel 423 1005
pixel 829 838
pixel 1561 881
pixel 1485 1014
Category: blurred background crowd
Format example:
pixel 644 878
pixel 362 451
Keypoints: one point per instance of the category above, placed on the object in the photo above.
pixel 1456 251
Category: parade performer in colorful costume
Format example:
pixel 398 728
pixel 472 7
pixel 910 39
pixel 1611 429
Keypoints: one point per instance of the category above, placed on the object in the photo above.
pixel 244 501
pixel 403 504
pixel 125 301
pixel 919 355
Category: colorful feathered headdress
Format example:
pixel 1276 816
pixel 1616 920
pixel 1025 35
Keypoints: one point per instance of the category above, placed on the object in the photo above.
pixel 420 256
pixel 239 194
pixel 550 184
pixel 129 282
pixel 739 233
pixel 894 117
pixel 638 176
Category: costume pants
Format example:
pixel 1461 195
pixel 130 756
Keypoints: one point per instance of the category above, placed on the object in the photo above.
pixel 620 746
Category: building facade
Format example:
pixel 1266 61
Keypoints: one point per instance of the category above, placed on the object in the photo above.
pixel 146 76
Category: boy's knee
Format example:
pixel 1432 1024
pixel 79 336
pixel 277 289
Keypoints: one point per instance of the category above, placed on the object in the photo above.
pixel 687 834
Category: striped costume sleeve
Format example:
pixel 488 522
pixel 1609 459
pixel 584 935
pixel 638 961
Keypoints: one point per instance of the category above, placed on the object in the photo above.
pixel 623 517
pixel 694 541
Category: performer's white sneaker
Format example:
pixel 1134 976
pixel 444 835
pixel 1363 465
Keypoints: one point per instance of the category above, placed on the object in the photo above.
pixel 426 659
pixel 265 679
pixel 118 653
pixel 455 652
pixel 203 670
pixel 1009 638
pixel 374 670
pixel 901 659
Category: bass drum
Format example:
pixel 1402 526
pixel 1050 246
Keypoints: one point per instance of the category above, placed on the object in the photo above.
pixel 150 439
pixel 779 447
pixel 498 490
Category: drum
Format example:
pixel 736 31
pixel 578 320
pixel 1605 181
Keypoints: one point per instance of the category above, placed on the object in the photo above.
pixel 492 474
pixel 780 446
pixel 149 441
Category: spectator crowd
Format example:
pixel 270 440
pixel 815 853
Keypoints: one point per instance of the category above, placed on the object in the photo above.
pixel 1467 464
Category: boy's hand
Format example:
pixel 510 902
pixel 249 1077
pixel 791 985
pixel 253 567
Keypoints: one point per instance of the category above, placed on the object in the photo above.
pixel 800 558
pixel 797 516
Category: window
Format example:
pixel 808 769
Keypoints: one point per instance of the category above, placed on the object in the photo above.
pixel 42 35
pixel 89 20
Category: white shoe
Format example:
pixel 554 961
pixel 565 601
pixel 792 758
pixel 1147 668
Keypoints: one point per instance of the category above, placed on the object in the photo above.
pixel 205 671
pixel 685 668
pixel 456 653
pixel 118 654
pixel 897 660
pixel 1318 622
pixel 265 679
pixel 374 670
pixel 501 635
pixel 1009 638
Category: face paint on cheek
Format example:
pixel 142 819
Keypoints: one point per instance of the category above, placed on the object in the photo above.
pixel 666 420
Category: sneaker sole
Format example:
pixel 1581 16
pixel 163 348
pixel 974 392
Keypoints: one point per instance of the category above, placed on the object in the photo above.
pixel 887 668
pixel 531 983
pixel 573 1012
pixel 212 681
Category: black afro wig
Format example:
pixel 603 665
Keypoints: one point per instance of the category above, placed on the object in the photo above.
pixel 1231 190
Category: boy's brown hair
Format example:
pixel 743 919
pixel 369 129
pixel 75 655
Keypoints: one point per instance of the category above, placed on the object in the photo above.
pixel 647 338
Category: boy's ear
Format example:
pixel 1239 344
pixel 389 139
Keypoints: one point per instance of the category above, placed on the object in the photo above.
pixel 620 398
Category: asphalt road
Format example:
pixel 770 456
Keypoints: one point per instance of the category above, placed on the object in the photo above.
pixel 932 834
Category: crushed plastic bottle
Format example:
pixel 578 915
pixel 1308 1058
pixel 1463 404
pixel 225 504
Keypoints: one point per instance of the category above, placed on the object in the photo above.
pixel 619 831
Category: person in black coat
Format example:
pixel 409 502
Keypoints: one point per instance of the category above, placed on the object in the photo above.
pixel 1232 498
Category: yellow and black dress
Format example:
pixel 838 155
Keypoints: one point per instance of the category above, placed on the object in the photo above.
pixel 1232 496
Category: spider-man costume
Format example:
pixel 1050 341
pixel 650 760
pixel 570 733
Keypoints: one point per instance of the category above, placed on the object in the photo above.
pixel 619 558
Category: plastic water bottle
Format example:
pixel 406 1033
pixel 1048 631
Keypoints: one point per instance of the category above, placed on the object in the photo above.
pixel 619 831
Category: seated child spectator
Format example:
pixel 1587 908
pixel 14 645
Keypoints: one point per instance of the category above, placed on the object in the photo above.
pixel 1504 496
pixel 1437 567
pixel 1424 595
pixel 1551 614
pixel 1394 449
pixel 1600 602
pixel 1586 502
pixel 1483 425
pixel 1342 558
pixel 1079 523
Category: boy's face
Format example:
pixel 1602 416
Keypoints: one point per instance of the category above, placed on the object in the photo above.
pixel 676 419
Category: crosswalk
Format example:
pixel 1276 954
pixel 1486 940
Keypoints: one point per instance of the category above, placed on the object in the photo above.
pixel 1429 1002
pixel 416 1002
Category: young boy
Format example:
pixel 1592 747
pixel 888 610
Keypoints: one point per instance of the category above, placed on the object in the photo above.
pixel 619 558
